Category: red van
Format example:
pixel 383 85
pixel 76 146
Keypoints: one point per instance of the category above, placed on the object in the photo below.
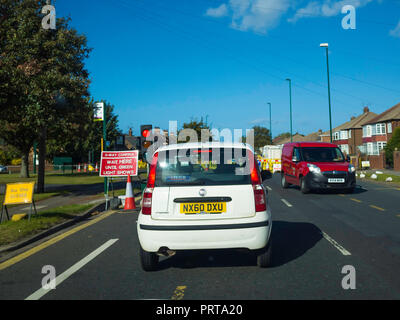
pixel 316 165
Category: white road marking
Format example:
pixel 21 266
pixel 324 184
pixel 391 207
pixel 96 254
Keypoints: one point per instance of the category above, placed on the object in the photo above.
pixel 269 188
pixel 41 292
pixel 336 245
pixel 287 203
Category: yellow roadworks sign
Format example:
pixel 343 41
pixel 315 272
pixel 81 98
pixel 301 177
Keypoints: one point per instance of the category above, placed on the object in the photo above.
pixel 18 193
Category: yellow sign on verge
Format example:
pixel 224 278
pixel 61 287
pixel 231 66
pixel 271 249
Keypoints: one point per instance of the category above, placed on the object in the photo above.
pixel 18 193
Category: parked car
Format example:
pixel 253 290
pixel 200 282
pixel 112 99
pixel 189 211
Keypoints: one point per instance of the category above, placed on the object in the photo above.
pixel 193 203
pixel 316 165
pixel 3 169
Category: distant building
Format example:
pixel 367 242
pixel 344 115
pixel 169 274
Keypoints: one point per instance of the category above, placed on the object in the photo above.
pixel 348 136
pixel 378 131
pixel 132 142
pixel 315 136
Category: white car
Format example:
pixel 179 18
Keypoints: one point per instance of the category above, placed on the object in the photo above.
pixel 204 196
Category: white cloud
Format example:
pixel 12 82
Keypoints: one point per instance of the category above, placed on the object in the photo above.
pixel 263 15
pixel 396 31
pixel 259 120
pixel 255 15
pixel 326 8
pixel 221 11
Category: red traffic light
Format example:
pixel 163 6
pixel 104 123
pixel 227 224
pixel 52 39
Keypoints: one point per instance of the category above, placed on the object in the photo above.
pixel 145 133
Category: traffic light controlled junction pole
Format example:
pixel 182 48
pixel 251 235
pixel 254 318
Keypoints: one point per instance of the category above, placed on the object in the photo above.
pixel 105 144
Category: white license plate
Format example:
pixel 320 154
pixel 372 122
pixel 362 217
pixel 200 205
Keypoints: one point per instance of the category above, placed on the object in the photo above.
pixel 336 180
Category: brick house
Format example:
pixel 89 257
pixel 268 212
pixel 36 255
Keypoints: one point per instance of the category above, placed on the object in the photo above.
pixel 378 131
pixel 348 136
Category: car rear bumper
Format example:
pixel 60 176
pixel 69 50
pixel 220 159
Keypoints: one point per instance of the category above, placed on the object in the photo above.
pixel 321 181
pixel 250 233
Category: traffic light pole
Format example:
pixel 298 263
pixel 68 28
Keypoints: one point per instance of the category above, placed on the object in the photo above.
pixel 105 144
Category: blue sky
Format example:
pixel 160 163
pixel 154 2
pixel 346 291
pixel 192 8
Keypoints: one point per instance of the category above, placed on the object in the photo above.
pixel 162 60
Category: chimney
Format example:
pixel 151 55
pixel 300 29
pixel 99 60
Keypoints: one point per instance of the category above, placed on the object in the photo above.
pixel 130 132
pixel 366 109
pixel 353 117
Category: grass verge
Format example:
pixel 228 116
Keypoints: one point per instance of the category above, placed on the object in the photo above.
pixel 382 177
pixel 12 231
pixel 55 178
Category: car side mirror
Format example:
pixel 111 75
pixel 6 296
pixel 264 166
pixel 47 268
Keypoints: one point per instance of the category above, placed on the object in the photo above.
pixel 266 174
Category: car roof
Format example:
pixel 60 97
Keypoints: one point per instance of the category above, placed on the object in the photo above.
pixel 197 145
pixel 312 144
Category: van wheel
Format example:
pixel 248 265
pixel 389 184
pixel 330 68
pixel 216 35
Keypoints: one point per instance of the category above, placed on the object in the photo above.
pixel 148 260
pixel 303 186
pixel 264 258
pixel 284 182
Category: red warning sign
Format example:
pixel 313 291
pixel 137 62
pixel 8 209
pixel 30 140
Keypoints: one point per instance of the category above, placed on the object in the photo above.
pixel 119 163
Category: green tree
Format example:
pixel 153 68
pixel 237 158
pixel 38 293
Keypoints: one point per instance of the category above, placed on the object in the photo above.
pixel 85 136
pixel 44 82
pixel 201 127
pixel 391 146
pixel 261 137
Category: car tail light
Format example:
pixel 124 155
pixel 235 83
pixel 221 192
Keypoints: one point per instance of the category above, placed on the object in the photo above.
pixel 148 192
pixel 259 194
pixel 152 172
pixel 146 203
pixel 259 198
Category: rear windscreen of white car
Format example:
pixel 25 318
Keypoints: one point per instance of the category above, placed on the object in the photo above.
pixel 216 166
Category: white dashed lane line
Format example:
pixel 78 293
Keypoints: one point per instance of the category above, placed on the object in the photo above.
pixel 287 203
pixel 335 244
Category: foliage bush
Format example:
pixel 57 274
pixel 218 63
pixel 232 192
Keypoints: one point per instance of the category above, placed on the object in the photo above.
pixel 391 146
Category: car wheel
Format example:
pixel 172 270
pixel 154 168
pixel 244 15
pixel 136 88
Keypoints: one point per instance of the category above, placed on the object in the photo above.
pixel 264 258
pixel 284 182
pixel 148 260
pixel 303 186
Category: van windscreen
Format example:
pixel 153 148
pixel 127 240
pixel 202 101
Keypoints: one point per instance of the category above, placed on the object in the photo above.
pixel 321 154
pixel 189 167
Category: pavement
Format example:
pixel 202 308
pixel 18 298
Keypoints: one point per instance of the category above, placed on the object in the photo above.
pixel 316 237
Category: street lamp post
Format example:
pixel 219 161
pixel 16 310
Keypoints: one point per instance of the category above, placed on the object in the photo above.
pixel 290 97
pixel 270 121
pixel 326 46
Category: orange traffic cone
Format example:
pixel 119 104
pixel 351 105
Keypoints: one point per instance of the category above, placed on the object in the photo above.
pixel 129 198
pixel 79 167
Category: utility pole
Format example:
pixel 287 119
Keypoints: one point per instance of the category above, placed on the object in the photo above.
pixel 290 97
pixel 326 46
pixel 270 122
